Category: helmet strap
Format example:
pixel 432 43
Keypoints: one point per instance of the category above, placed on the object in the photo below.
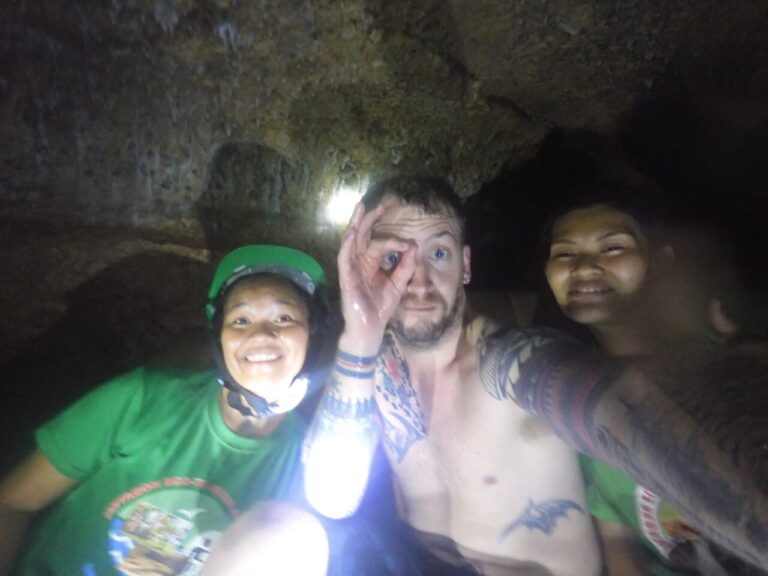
pixel 246 402
pixel 254 406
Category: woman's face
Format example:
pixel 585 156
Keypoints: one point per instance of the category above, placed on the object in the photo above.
pixel 265 334
pixel 599 261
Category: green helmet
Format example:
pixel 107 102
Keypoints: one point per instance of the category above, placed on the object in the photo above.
pixel 300 268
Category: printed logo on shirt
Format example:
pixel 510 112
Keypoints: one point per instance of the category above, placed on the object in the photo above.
pixel 661 523
pixel 676 540
pixel 167 526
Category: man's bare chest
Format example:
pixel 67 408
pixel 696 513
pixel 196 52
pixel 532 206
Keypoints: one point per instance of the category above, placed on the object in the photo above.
pixel 477 471
pixel 460 433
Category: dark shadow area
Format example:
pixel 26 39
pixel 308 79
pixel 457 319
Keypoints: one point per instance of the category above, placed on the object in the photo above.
pixel 504 218
pixel 701 159
pixel 704 156
pixel 250 197
pixel 147 308
pixel 709 154
pixel 707 150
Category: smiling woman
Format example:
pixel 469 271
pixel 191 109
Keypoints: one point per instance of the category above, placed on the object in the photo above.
pixel 604 252
pixel 147 471
pixel 263 305
pixel 606 267
pixel 598 265
pixel 264 335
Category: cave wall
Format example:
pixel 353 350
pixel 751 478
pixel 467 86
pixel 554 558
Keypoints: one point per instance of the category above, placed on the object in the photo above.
pixel 119 113
pixel 142 138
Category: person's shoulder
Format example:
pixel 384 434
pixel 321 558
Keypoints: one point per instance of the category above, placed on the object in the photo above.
pixel 158 394
pixel 485 332
pixel 149 383
pixel 509 355
pixel 172 375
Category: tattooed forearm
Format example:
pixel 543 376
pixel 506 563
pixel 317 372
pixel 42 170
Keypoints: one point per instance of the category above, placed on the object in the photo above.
pixel 336 408
pixel 336 418
pixel 341 415
pixel 676 429
pixel 404 422
pixel 339 449
pixel 698 482
pixel 658 444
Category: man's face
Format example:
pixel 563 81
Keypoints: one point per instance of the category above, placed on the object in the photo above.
pixel 598 265
pixel 433 301
pixel 264 335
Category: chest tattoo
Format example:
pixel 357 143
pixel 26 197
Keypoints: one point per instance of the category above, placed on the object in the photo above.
pixel 541 516
pixel 404 419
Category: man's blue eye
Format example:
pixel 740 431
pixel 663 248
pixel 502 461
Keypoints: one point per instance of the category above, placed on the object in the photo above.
pixel 392 258
pixel 441 253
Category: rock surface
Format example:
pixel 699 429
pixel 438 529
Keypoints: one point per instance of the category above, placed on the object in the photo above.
pixel 141 138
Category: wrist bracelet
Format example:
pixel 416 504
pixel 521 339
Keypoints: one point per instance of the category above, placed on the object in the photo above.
pixel 348 358
pixel 353 373
pixel 360 367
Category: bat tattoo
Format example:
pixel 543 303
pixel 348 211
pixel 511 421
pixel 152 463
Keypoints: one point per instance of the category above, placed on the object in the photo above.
pixel 542 516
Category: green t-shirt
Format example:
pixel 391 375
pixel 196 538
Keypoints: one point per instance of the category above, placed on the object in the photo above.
pixel 161 477
pixel 614 497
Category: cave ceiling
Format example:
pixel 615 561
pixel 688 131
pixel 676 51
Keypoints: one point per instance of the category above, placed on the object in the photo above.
pixel 142 137
pixel 155 112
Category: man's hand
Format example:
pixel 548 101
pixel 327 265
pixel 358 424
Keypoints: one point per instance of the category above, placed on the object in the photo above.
pixel 373 274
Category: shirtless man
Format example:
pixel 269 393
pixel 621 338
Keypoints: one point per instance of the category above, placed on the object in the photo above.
pixel 485 485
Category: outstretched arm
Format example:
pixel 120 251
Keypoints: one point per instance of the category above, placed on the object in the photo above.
pixel 346 429
pixel 690 429
pixel 29 488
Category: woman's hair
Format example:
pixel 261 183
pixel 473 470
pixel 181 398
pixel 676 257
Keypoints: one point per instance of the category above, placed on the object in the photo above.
pixel 642 204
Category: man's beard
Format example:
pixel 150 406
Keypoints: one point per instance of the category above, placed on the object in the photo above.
pixel 425 334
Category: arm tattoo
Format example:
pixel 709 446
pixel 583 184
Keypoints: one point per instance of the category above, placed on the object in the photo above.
pixel 662 437
pixel 499 360
pixel 502 358
pixel 338 417
pixel 337 409
pixel 699 482
pixel 549 375
pixel 339 448
pixel 404 424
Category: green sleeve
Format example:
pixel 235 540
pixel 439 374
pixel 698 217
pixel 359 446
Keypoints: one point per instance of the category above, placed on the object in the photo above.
pixel 87 433
pixel 610 493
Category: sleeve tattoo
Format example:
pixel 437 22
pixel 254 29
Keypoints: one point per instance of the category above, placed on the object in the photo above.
pixel 547 374
pixel 665 439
